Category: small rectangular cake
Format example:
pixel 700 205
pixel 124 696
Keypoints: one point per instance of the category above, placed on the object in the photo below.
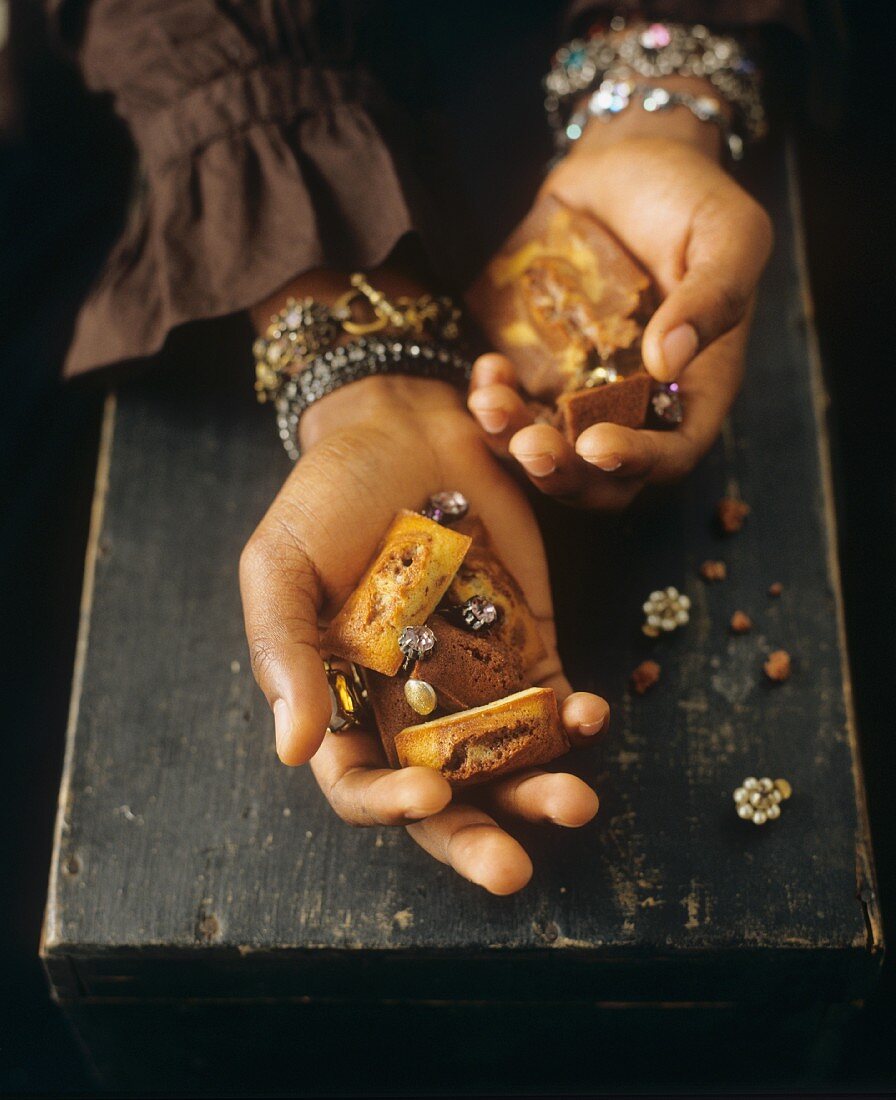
pixel 562 296
pixel 473 746
pixel 624 402
pixel 401 587
pixel 482 573
pixel 392 712
pixel 467 668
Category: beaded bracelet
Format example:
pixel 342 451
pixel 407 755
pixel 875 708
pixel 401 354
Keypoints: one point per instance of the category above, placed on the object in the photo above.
pixel 364 357
pixel 305 327
pixel 651 51
pixel 614 96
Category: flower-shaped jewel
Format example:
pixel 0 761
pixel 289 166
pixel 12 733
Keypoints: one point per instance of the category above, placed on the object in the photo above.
pixel 759 800
pixel 666 610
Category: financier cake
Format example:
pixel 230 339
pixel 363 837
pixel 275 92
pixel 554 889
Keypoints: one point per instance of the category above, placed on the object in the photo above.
pixel 476 745
pixel 403 585
pixel 567 303
pixel 444 639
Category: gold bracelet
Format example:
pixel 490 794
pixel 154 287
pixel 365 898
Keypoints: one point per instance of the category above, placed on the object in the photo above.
pixel 305 327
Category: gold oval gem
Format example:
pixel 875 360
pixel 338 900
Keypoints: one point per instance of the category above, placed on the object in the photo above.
pixel 421 696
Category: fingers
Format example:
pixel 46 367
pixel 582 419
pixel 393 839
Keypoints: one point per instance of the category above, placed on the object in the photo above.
pixel 540 796
pixel 584 716
pixel 495 402
pixel 493 368
pixel 556 797
pixel 471 842
pixel 629 453
pixel 548 460
pixel 351 771
pixel 728 247
pixel 499 411
pixel 281 597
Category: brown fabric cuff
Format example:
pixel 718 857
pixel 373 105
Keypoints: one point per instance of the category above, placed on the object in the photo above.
pixel 246 181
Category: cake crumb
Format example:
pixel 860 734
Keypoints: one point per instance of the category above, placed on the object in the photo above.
pixel 645 676
pixel 714 571
pixel 775 589
pixel 731 514
pixel 741 623
pixel 777 667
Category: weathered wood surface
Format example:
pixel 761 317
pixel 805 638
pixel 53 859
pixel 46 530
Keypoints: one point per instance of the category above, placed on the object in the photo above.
pixel 190 863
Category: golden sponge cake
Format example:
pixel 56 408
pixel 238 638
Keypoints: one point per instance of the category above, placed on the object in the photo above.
pixel 473 746
pixel 482 573
pixel 402 586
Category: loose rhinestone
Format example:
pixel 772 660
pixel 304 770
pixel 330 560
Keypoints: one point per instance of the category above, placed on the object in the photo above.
pixel 667 404
pixel 478 613
pixel 447 506
pixel 416 642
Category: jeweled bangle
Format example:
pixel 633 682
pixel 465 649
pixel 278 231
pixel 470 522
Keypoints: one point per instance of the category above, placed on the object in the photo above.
pixel 305 327
pixel 656 50
pixel 363 357
pixel 612 97
pixel 300 330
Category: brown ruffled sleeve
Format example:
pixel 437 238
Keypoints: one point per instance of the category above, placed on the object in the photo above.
pixel 261 154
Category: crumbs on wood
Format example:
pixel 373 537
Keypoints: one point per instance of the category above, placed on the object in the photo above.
pixel 645 676
pixel 778 666
pixel 714 571
pixel 731 514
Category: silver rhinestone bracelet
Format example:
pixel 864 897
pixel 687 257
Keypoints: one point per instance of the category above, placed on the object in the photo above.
pixel 654 51
pixel 614 96
pixel 364 357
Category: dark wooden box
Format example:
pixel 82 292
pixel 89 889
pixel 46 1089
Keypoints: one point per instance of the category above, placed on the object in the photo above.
pixel 211 924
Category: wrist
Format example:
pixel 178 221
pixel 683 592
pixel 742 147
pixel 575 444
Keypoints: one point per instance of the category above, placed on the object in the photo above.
pixel 400 402
pixel 399 358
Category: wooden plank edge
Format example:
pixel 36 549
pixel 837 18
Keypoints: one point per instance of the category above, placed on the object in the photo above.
pixel 50 937
pixel 866 884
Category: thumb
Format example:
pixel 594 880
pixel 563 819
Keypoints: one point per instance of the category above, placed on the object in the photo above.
pixel 281 597
pixel 729 245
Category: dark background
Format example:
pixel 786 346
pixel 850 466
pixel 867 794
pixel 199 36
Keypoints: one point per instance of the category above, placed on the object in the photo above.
pixel 63 180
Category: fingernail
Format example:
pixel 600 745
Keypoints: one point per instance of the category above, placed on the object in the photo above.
pixel 282 722
pixel 538 465
pixel 493 420
pixel 588 729
pixel 679 347
pixel 608 463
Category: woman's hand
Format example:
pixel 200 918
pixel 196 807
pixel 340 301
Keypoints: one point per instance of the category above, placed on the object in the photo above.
pixel 370 449
pixel 654 181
